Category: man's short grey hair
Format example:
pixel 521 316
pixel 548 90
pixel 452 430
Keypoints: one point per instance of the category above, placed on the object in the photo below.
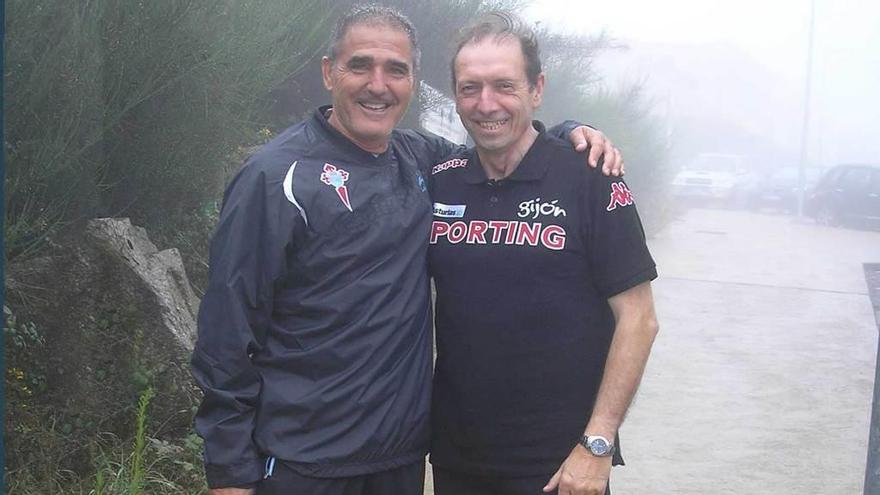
pixel 374 15
pixel 501 24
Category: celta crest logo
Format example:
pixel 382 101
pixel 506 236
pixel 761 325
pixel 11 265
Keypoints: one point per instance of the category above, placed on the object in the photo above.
pixel 620 196
pixel 336 178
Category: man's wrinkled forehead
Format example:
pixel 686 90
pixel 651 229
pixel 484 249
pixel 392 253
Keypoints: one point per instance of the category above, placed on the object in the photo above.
pixel 377 23
pixel 493 38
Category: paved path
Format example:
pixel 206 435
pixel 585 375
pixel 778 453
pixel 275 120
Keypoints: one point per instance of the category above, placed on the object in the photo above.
pixel 762 375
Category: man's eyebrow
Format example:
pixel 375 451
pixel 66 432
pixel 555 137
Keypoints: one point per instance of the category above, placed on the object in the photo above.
pixel 397 64
pixel 359 60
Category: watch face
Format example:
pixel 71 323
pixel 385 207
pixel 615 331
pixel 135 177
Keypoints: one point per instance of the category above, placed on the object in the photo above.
pixel 599 446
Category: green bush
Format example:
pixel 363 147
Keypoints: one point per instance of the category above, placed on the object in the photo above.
pixel 132 108
pixel 24 377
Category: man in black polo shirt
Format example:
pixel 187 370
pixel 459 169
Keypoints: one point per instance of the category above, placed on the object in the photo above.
pixel 545 317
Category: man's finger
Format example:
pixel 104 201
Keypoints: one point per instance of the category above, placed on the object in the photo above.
pixel 580 138
pixel 553 483
pixel 607 162
pixel 614 162
pixel 597 147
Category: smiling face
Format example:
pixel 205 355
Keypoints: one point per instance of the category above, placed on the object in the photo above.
pixel 371 82
pixel 493 96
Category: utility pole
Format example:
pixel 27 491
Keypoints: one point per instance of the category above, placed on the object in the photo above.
pixel 802 170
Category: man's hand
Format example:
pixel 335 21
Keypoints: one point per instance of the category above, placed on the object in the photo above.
pixel 232 491
pixel 600 145
pixel 581 474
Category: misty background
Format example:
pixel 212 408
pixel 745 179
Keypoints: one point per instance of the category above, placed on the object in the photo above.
pixel 731 75
pixel 762 377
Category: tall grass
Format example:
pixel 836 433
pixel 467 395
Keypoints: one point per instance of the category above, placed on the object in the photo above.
pixel 135 486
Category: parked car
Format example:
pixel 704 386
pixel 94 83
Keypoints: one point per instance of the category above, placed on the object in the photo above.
pixel 780 189
pixel 847 194
pixel 712 178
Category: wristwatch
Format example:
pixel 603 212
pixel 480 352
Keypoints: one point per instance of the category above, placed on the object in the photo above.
pixel 597 445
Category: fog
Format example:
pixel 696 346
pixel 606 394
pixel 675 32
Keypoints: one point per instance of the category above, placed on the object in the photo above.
pixel 745 62
pixel 762 377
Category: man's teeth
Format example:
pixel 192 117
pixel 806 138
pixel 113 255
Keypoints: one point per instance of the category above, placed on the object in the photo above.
pixel 492 124
pixel 375 106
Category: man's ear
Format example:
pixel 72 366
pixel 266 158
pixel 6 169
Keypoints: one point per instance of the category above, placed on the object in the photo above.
pixel 326 72
pixel 538 93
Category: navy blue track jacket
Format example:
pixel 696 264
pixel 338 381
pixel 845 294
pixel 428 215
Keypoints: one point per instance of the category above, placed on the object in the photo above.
pixel 315 331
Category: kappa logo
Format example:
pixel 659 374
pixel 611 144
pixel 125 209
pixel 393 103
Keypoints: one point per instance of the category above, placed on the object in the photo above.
pixel 620 196
pixel 449 211
pixel 454 163
pixel 336 178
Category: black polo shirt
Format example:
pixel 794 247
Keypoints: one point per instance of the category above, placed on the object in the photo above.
pixel 523 268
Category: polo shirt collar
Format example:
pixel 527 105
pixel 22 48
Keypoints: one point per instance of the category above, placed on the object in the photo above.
pixel 533 166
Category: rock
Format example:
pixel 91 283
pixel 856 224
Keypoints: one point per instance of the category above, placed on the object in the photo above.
pixel 161 273
pixel 116 315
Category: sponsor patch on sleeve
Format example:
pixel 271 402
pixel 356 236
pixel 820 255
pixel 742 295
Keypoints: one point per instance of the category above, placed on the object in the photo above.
pixel 449 211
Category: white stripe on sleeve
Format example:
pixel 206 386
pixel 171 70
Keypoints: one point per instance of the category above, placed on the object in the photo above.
pixel 288 191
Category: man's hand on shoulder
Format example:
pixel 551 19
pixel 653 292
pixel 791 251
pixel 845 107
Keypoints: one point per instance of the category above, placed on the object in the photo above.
pixel 582 473
pixel 600 146
pixel 232 491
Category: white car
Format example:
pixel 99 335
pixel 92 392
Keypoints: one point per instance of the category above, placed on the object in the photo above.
pixel 711 177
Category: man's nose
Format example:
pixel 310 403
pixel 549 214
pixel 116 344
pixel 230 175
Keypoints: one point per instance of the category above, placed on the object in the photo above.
pixel 377 83
pixel 487 102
